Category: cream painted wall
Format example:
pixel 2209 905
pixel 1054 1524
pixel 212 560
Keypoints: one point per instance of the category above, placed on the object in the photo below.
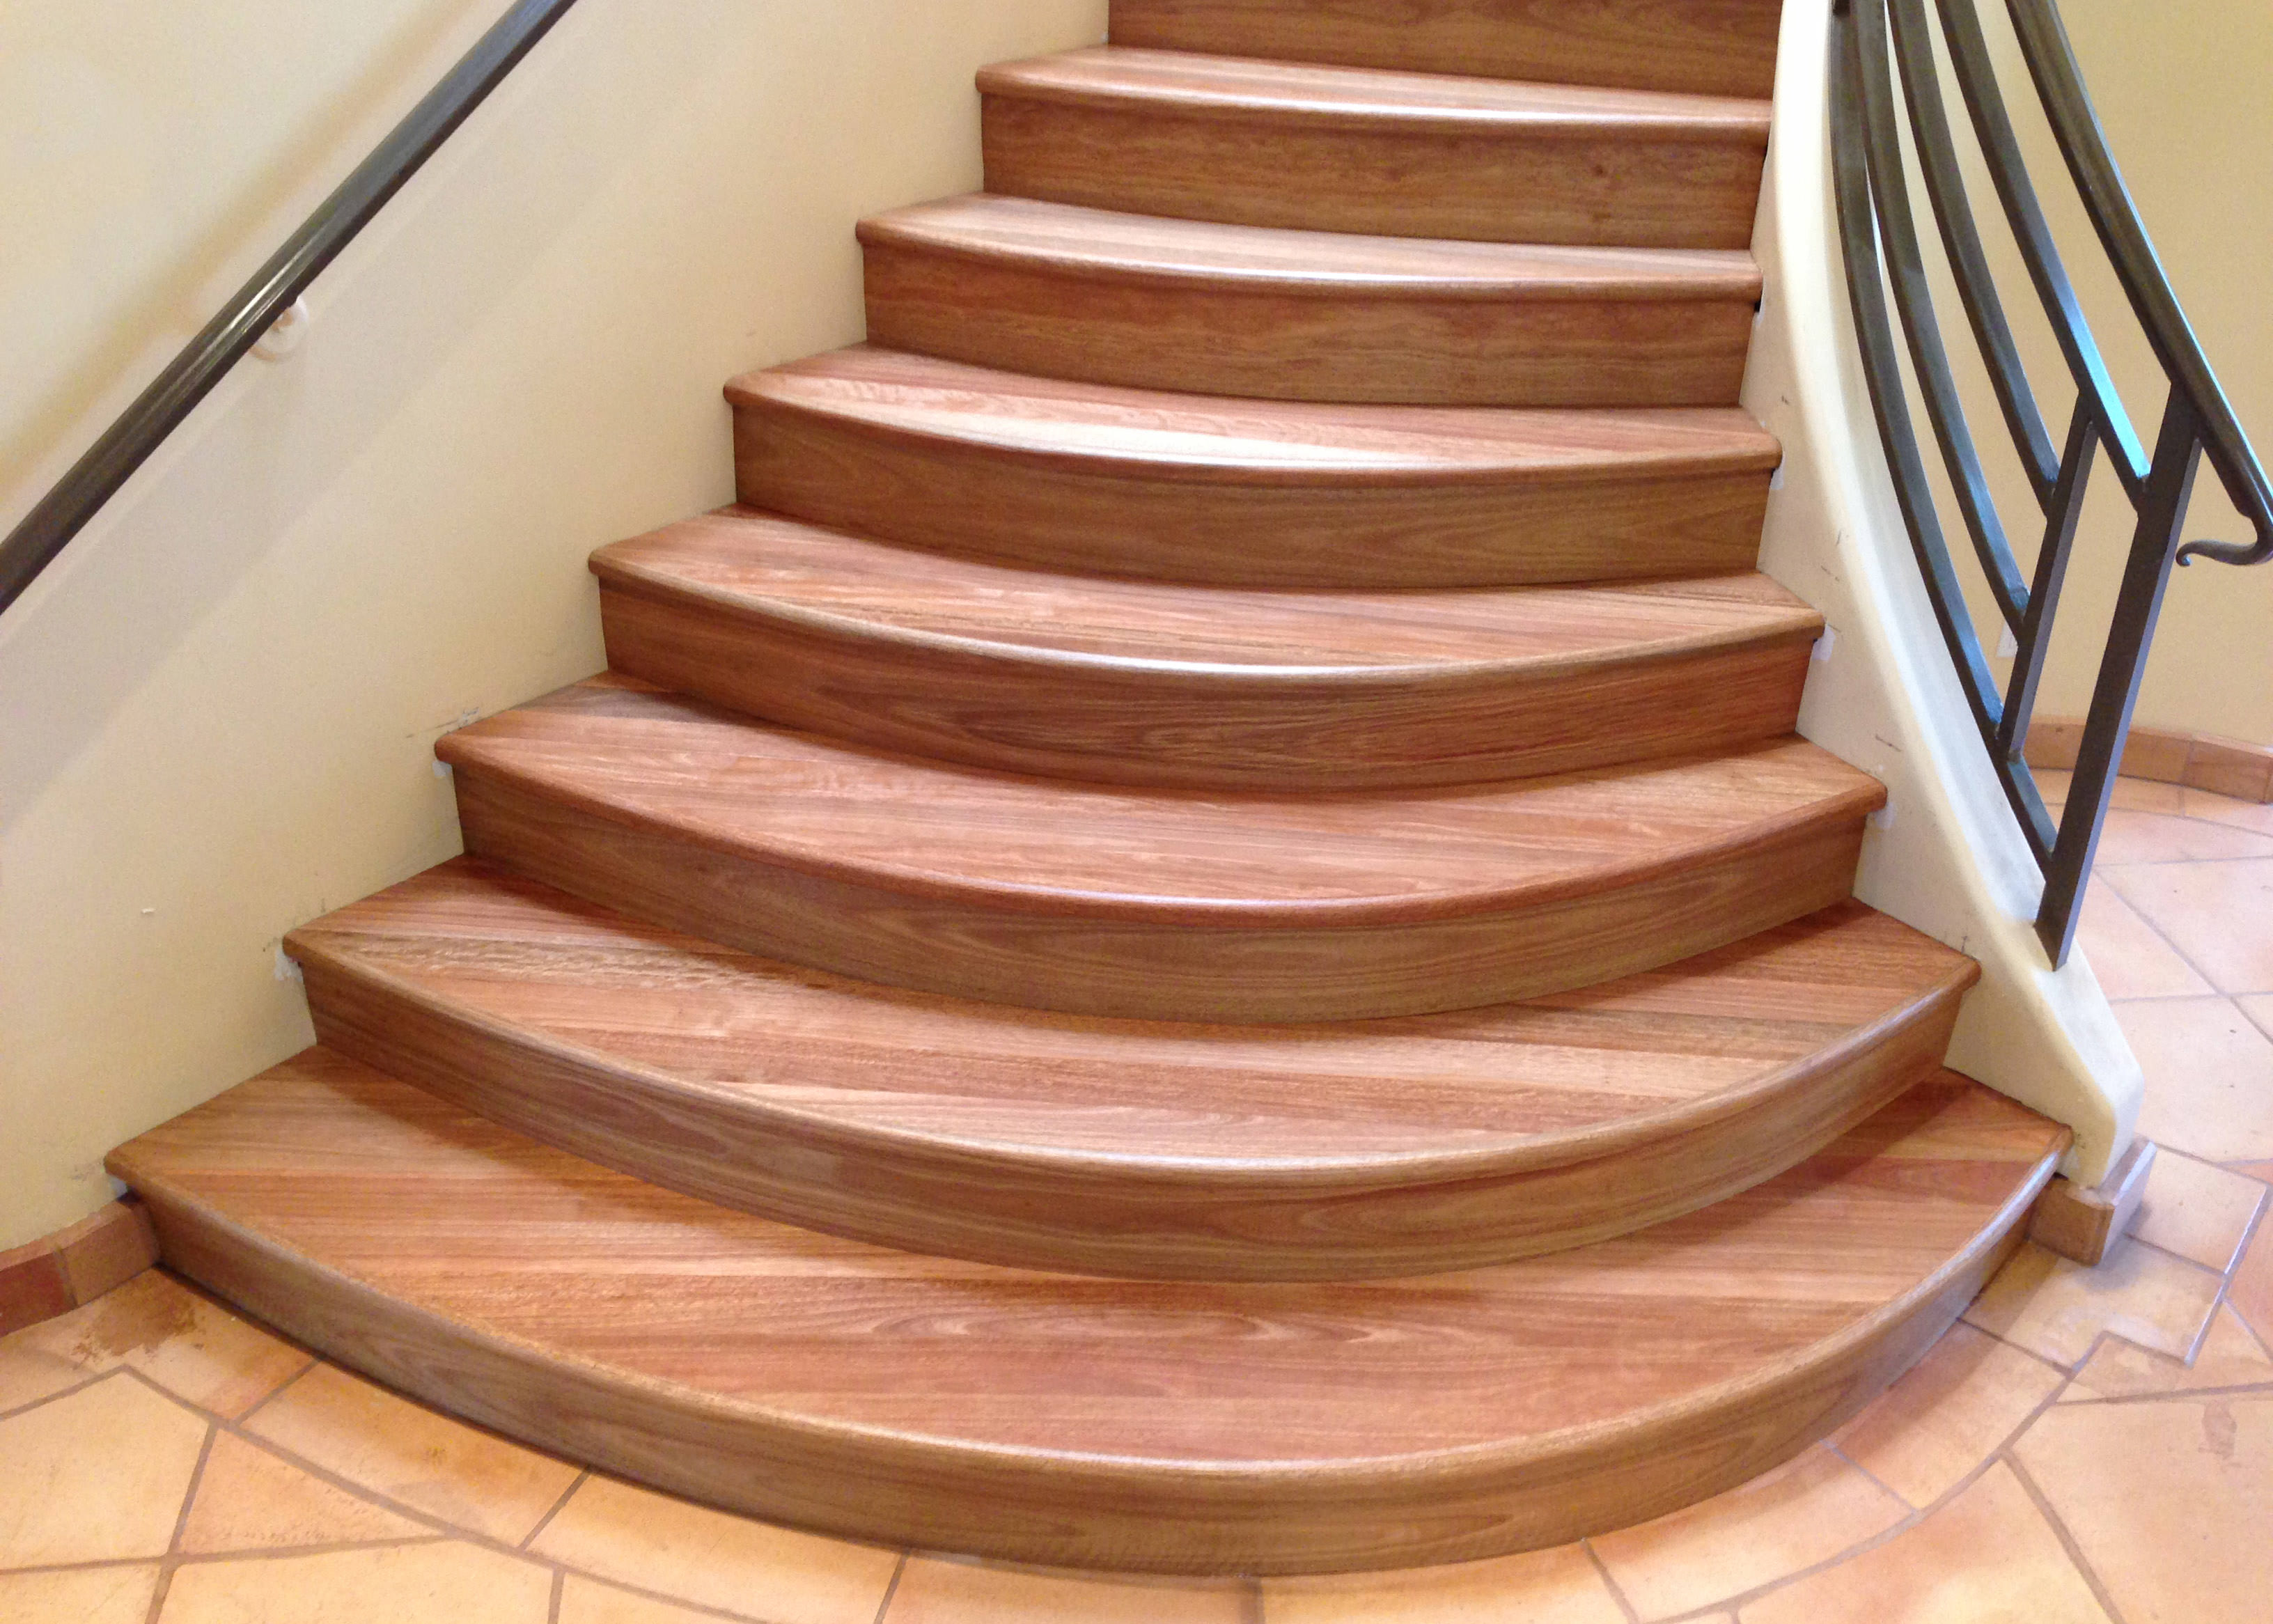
pixel 220 705
pixel 2181 90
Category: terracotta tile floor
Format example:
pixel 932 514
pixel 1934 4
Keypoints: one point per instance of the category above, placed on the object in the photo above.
pixel 2087 1446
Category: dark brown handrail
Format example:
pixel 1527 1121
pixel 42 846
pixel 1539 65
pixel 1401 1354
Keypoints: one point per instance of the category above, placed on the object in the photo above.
pixel 255 308
pixel 1890 288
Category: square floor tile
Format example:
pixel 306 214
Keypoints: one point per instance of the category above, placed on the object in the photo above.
pixel 1988 1557
pixel 2210 1078
pixel 2170 1501
pixel 186 1343
pixel 1561 1586
pixel 2214 912
pixel 2056 1309
pixel 635 1536
pixel 2128 955
pixel 374 1438
pixel 2230 1356
pixel 1935 1427
pixel 249 1500
pixel 2200 1212
pixel 1804 1512
pixel 95 1476
pixel 438 1581
pixel 78 1595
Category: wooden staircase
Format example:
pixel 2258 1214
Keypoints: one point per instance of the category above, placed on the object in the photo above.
pixel 1196 939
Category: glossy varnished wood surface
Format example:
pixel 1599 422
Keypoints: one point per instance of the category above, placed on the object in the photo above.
pixel 1706 47
pixel 1225 905
pixel 1223 1427
pixel 1165 1150
pixel 1156 303
pixel 1177 486
pixel 1153 683
pixel 1346 149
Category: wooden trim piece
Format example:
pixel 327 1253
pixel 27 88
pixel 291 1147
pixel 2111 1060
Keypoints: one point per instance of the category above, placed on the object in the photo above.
pixel 1191 1428
pixel 76 1265
pixel 1725 47
pixel 2163 755
pixel 500 996
pixel 2089 1225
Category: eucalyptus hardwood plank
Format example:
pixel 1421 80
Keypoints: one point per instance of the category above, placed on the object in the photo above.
pixel 1200 904
pixel 1101 1424
pixel 1362 150
pixel 1093 479
pixel 1138 683
pixel 1156 304
pixel 1707 47
pixel 1165 1150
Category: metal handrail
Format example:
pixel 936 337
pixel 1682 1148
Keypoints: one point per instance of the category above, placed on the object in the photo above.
pixel 257 307
pixel 1891 288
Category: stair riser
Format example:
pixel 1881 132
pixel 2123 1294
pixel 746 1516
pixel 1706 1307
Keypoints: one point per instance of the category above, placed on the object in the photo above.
pixel 1071 1511
pixel 1097 1218
pixel 1169 970
pixel 1703 47
pixel 1058 514
pixel 1205 729
pixel 1361 346
pixel 1320 174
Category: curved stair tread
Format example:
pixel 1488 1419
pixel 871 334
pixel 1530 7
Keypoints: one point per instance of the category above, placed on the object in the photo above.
pixel 755 563
pixel 1177 1150
pixel 1204 439
pixel 1713 46
pixel 1107 244
pixel 1260 90
pixel 1044 1418
pixel 798 801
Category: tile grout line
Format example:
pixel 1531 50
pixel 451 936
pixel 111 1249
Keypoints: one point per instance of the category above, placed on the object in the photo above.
pixel 1617 1593
pixel 557 1507
pixel 892 1587
pixel 173 1557
pixel 1918 1515
pixel 2065 1535
pixel 1251 1595
pixel 1870 1475
pixel 60 1394
pixel 559 1584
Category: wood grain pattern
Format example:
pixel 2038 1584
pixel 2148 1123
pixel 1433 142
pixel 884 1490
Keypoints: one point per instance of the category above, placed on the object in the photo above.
pixel 1203 1427
pixel 1080 293
pixel 1706 47
pixel 2089 1224
pixel 1127 481
pixel 1215 906
pixel 1397 154
pixel 1175 1151
pixel 1143 683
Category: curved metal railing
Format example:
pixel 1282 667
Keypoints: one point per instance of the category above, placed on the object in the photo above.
pixel 1880 227
pixel 256 307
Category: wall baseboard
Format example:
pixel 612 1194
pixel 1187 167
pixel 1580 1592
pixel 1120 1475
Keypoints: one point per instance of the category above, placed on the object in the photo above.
pixel 73 1267
pixel 2198 761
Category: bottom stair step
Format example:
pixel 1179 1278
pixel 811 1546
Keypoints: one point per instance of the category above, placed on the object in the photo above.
pixel 1076 1421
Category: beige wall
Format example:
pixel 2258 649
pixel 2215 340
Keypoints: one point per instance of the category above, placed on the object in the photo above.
pixel 2182 90
pixel 219 707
